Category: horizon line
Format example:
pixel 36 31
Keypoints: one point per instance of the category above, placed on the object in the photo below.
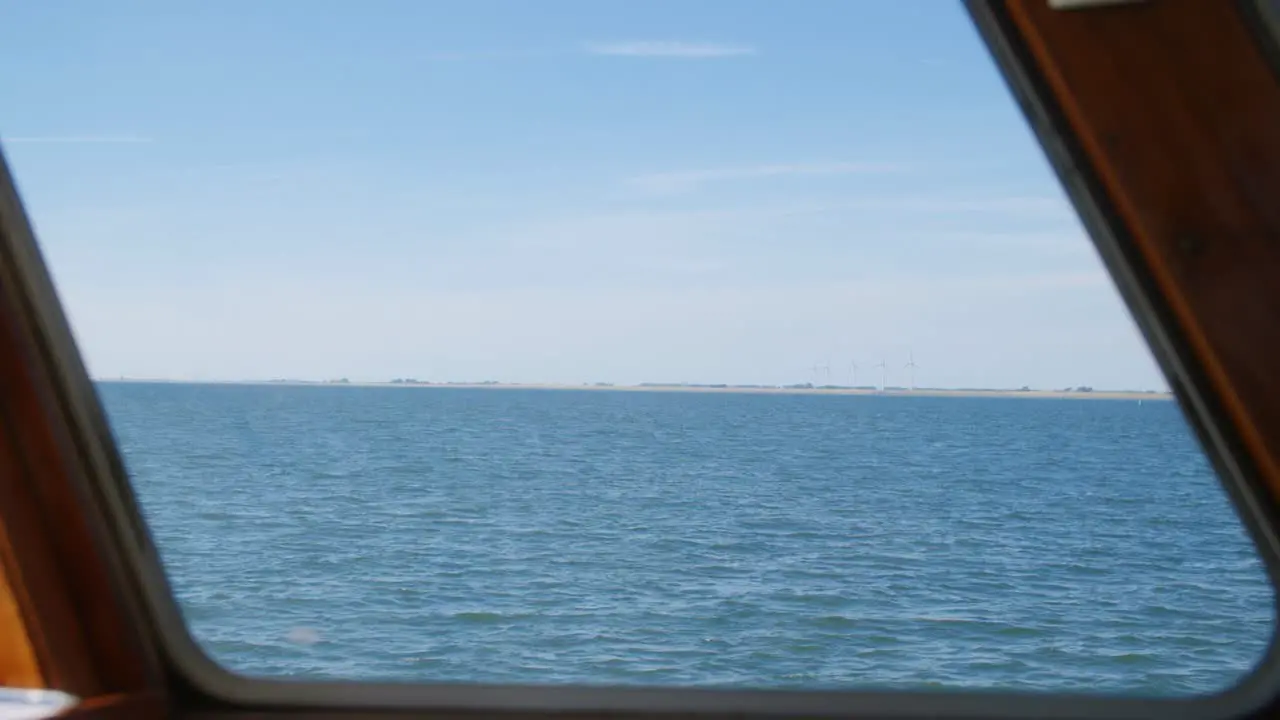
pixel 1025 390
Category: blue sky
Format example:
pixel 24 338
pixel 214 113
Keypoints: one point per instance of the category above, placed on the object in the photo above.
pixel 714 191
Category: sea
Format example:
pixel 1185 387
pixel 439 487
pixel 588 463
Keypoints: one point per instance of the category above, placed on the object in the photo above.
pixel 602 537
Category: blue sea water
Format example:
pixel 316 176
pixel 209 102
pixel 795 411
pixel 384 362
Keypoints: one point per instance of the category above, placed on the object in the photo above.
pixel 603 537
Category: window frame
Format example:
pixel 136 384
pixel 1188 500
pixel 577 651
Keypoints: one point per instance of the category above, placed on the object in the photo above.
pixel 136 571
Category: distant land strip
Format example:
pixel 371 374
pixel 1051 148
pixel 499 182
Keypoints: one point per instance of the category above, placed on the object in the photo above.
pixel 1080 393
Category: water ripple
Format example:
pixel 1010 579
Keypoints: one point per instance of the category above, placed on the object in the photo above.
pixel 684 539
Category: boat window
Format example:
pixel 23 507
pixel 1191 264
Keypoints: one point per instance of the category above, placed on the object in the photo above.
pixel 602 343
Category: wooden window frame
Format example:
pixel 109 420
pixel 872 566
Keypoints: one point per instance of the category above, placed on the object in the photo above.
pixel 1114 94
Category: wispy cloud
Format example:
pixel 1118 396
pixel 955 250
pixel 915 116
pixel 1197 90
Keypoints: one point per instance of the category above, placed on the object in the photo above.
pixel 71 139
pixel 1042 207
pixel 685 181
pixel 668 49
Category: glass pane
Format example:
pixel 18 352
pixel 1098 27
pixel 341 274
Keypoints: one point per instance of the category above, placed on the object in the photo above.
pixel 719 344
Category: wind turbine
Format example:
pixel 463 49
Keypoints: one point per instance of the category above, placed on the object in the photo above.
pixel 911 365
pixel 827 369
pixel 815 369
pixel 884 375
pixel 853 373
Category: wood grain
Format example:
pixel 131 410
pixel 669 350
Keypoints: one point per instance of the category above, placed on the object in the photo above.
pixel 41 594
pixel 1179 116
pixel 55 546
pixel 18 667
pixel 120 706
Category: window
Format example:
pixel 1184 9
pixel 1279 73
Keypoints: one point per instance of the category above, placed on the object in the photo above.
pixel 563 351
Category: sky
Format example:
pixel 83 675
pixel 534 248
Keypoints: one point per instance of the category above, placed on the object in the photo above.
pixel 722 191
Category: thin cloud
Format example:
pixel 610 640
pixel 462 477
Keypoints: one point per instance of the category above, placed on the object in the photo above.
pixel 1027 207
pixel 73 139
pixel 669 49
pixel 685 181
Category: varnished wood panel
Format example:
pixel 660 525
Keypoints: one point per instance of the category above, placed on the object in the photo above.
pixel 18 666
pixel 121 706
pixel 55 544
pixel 41 594
pixel 1179 117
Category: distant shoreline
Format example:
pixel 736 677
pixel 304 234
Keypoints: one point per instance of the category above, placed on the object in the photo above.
pixel 656 387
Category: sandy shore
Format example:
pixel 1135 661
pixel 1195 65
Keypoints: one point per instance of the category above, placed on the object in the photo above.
pixel 892 392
